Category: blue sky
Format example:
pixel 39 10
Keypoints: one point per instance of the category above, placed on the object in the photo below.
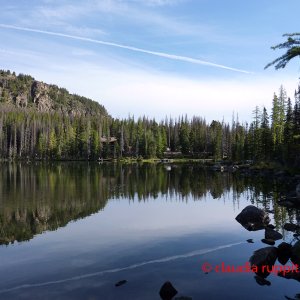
pixel 154 57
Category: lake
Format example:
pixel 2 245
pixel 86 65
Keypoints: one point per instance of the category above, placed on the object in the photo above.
pixel 74 230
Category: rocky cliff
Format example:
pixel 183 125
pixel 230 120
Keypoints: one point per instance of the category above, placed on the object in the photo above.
pixel 24 92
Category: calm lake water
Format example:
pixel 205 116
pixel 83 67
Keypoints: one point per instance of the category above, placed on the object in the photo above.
pixel 72 230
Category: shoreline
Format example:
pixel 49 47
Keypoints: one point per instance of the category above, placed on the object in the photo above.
pixel 215 165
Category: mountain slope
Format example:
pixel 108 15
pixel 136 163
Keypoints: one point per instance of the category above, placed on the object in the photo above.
pixel 24 92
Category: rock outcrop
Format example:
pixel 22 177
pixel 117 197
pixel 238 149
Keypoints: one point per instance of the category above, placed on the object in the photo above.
pixel 24 92
pixel 253 218
pixel 40 96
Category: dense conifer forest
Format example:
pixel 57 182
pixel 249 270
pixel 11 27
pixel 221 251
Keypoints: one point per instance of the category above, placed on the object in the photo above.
pixel 44 122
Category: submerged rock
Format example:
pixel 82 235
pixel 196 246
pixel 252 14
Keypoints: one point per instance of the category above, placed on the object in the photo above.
pixel 298 190
pixel 271 234
pixel 284 248
pixel 263 257
pixel 167 291
pixel 295 256
pixel 292 199
pixel 261 280
pixel 253 218
pixel 290 275
pixel 284 252
pixel 291 227
pixel 271 226
pixel 281 173
pixel 121 282
pixel 297 297
pixel 267 255
pixel 289 203
pixel 268 242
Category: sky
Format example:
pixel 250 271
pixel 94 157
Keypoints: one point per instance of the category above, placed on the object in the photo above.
pixel 154 58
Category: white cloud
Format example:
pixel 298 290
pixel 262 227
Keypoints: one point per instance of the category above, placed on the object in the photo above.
pixel 82 52
pixel 53 14
pixel 125 91
pixel 59 12
pixel 84 31
pixel 158 2
pixel 160 95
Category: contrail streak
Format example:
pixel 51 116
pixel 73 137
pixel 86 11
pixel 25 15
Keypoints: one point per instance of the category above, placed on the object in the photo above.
pixel 116 270
pixel 160 54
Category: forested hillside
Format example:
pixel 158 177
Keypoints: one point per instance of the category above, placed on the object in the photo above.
pixel 23 91
pixel 57 125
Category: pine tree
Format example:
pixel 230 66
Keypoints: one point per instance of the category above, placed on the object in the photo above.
pixel 297 114
pixel 296 129
pixel 216 135
pixel 184 137
pixel 265 136
pixel 282 99
pixel 288 133
pixel 255 131
pixel 293 50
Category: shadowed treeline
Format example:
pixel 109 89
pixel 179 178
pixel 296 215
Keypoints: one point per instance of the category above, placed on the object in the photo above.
pixel 45 196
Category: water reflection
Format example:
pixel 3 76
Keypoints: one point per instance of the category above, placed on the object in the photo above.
pixel 263 260
pixel 39 197
pixel 148 224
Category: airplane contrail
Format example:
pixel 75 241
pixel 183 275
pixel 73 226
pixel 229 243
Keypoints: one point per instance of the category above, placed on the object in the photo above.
pixel 116 270
pixel 160 54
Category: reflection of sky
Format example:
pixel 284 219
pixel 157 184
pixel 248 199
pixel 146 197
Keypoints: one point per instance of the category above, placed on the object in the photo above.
pixel 148 234
pixel 157 217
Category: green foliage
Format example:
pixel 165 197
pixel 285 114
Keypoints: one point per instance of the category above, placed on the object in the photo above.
pixel 30 134
pixel 292 44
pixel 278 120
pixel 216 138
pixel 184 138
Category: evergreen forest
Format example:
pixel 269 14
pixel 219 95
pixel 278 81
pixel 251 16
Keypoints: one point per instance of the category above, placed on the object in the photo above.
pixel 44 122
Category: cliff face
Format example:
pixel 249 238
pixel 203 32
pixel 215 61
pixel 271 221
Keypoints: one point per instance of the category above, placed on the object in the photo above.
pixel 40 96
pixel 24 92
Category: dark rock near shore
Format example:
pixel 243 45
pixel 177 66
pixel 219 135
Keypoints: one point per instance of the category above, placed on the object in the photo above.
pixel 284 252
pixel 295 256
pixel 263 257
pixel 250 241
pixel 271 234
pixel 289 203
pixel 261 281
pixel 291 227
pixel 281 173
pixel 290 275
pixel 298 190
pixel 253 218
pixel 167 291
pixel 292 199
pixel 271 226
pixel 268 242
